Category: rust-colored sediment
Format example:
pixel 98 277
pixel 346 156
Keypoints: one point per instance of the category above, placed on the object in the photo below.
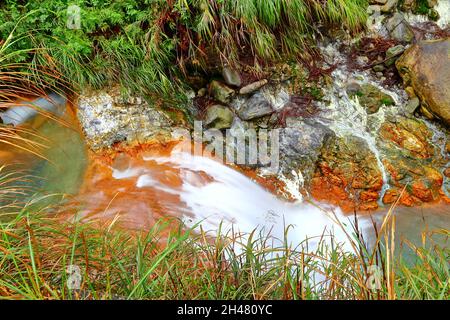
pixel 104 199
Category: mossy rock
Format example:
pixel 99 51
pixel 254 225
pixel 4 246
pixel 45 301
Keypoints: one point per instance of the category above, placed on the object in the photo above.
pixel 371 97
pixel 426 67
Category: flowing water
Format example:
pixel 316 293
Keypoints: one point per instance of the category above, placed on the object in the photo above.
pixel 442 7
pixel 135 191
pixel 345 115
pixel 56 168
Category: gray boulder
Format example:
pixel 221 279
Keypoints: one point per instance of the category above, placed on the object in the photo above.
pixel 300 145
pixel 254 107
pixel 399 28
pixel 219 117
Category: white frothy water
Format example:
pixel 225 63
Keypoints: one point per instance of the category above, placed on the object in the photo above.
pixel 345 115
pixel 442 7
pixel 230 198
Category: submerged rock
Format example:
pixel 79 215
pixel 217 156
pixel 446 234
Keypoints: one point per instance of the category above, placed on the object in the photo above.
pixel 411 106
pixel 369 96
pixel 426 67
pixel 24 111
pixel 107 118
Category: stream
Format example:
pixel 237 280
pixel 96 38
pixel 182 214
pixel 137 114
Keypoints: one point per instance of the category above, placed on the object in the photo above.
pixel 135 191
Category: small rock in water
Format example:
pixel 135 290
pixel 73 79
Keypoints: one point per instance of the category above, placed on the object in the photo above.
pixel 378 68
pixel 412 105
pixel 219 117
pixel 231 77
pixel 392 53
pixel 252 87
pixel 379 74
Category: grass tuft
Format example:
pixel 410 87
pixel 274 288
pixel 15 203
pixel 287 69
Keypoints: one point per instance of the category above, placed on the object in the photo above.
pixel 42 257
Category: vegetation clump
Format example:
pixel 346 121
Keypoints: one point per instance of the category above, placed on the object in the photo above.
pixel 150 46
pixel 42 257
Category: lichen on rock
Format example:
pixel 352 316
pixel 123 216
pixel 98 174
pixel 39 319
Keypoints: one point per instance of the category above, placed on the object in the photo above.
pixel 106 117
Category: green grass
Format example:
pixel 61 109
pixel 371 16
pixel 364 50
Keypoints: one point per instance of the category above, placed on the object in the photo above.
pixel 148 47
pixel 171 261
pixel 421 7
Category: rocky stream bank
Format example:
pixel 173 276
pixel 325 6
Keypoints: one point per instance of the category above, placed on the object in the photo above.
pixel 366 125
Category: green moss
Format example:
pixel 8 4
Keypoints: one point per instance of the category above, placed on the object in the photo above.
pixel 387 101
pixel 359 93
pixel 421 7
